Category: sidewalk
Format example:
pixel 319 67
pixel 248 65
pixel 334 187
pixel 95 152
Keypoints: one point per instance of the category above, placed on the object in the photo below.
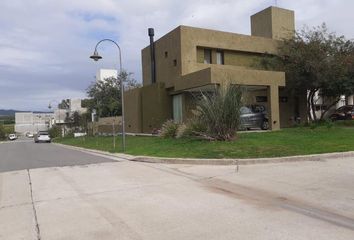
pixel 133 200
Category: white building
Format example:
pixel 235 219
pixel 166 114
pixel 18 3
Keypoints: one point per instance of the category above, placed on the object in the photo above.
pixel 74 105
pixel 32 122
pixel 103 74
pixel 321 106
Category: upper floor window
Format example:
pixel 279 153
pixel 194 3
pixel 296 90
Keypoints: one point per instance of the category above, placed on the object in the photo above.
pixel 219 57
pixel 207 56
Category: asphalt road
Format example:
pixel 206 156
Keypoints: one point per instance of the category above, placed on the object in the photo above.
pixel 25 154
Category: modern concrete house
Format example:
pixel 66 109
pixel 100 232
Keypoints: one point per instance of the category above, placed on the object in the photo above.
pixel 32 122
pixel 188 60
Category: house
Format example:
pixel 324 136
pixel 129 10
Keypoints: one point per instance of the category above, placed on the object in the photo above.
pixel 103 74
pixel 188 60
pixel 66 110
pixel 32 122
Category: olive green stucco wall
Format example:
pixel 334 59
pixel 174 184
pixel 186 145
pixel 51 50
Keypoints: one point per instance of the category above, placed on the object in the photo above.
pixel 168 59
pixel 133 110
pixel 156 106
pixel 146 108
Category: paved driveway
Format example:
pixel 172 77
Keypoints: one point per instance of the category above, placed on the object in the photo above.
pixel 130 200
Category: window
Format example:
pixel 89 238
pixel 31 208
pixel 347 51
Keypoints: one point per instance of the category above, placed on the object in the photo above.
pixel 166 54
pixel 175 62
pixel 207 56
pixel 177 108
pixel 220 57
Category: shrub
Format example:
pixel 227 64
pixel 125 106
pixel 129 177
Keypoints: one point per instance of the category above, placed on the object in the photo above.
pixel 219 112
pixel 169 129
pixel 2 133
pixel 193 128
pixel 182 131
pixel 55 132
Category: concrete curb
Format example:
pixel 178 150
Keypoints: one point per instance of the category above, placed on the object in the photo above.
pixel 245 161
pixel 222 161
pixel 118 155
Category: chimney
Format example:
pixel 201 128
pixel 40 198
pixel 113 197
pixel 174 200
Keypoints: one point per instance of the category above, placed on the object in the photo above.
pixel 152 55
pixel 273 22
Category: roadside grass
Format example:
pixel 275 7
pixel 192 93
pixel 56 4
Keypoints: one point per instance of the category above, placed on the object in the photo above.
pixel 286 142
pixel 9 128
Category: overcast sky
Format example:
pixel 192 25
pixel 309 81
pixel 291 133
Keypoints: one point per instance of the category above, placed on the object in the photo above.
pixel 45 44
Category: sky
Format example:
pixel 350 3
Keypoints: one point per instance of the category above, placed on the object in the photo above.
pixel 45 44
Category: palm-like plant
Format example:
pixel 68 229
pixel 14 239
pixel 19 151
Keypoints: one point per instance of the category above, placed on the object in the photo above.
pixel 219 111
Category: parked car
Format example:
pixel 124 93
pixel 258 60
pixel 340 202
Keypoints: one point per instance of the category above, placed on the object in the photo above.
pixel 254 116
pixel 29 135
pixel 343 113
pixel 42 136
pixel 12 137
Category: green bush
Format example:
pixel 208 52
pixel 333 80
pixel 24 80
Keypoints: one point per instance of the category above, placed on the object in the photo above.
pixel 9 128
pixel 55 132
pixel 2 133
pixel 169 129
pixel 193 128
pixel 181 131
pixel 219 112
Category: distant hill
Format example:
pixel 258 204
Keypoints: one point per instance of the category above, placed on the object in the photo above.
pixel 8 112
pixel 11 112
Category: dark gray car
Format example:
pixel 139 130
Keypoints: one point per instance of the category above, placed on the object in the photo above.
pixel 254 116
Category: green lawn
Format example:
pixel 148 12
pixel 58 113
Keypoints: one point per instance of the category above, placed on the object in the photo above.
pixel 287 142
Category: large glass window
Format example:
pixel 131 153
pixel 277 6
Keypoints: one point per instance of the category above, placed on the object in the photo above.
pixel 220 57
pixel 177 108
pixel 207 56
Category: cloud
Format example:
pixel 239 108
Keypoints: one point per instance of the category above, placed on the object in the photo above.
pixel 44 45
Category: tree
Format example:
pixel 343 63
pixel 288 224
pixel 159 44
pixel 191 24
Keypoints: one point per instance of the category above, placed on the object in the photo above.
pixel 65 104
pixel 78 121
pixel 106 95
pixel 54 131
pixel 316 60
pixel 2 133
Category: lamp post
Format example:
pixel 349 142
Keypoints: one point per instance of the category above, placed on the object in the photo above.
pixel 97 57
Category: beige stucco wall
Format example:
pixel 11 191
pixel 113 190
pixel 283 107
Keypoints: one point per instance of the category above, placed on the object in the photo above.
pixel 217 74
pixel 273 22
pixel 240 45
pixel 166 71
pixel 156 107
pixel 146 108
pixel 133 113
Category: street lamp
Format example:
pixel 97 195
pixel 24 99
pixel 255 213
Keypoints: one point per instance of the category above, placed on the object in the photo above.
pixel 97 57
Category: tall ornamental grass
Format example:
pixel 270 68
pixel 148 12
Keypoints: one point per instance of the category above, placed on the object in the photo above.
pixel 219 111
